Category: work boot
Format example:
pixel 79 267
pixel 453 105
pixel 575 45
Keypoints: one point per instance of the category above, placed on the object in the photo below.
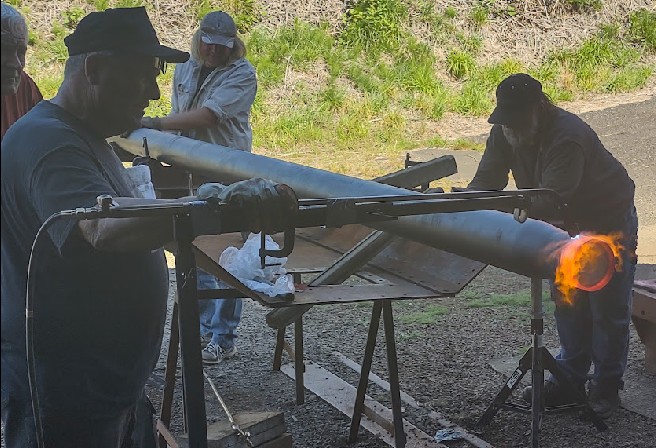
pixel 554 394
pixel 604 400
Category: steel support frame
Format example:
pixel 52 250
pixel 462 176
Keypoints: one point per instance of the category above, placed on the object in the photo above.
pixel 189 336
pixel 383 307
pixel 537 359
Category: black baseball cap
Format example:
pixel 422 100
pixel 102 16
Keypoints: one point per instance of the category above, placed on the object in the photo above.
pixel 515 96
pixel 218 28
pixel 124 30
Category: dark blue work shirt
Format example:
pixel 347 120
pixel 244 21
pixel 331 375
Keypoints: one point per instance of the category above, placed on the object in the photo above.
pixel 99 316
pixel 569 158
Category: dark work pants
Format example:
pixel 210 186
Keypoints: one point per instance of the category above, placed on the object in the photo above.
pixel 595 328
pixel 132 428
pixel 17 415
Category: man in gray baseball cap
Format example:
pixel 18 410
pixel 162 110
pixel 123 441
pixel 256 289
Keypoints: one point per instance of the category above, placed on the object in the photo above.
pixel 213 93
pixel 218 28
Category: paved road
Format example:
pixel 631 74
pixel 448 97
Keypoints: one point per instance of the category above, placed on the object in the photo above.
pixel 629 132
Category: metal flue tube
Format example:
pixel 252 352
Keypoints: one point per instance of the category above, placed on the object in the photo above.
pixel 530 248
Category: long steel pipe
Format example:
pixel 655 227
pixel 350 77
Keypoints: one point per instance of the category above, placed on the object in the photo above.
pixel 530 248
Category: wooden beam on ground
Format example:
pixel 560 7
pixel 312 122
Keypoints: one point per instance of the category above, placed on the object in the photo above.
pixel 407 399
pixel 341 395
pixel 266 429
pixel 644 319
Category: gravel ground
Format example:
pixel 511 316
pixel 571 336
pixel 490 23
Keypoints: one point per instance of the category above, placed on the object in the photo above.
pixel 443 365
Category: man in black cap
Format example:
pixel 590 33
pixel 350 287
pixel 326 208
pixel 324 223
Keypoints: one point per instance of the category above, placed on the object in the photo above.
pixel 547 147
pixel 100 286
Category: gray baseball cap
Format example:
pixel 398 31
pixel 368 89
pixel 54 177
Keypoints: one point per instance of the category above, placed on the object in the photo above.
pixel 218 28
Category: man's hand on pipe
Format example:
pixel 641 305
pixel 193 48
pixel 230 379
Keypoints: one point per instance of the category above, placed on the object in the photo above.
pixel 268 207
pixel 151 123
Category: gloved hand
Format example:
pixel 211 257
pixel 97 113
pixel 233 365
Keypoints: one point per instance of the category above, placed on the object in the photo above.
pixel 210 190
pixel 151 123
pixel 267 206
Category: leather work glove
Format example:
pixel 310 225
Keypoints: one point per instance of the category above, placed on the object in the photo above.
pixel 267 206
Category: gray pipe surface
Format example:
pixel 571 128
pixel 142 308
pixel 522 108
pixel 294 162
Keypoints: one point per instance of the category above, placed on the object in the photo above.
pixel 490 237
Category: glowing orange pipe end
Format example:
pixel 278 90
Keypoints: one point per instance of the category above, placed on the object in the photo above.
pixel 587 263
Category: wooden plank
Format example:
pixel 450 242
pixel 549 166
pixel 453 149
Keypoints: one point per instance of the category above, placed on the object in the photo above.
pixel 341 395
pixel 166 434
pixel 284 441
pixel 264 427
pixel 407 399
pixel 644 303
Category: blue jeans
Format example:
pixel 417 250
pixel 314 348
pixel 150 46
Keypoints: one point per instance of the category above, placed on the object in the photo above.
pixel 595 328
pixel 218 317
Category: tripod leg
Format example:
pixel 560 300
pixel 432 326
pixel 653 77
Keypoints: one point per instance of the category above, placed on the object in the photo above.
pixel 551 365
pixel 537 382
pixel 508 387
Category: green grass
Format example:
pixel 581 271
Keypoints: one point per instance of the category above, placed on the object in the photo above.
pixel 371 91
pixel 603 63
pixel 403 336
pixel 519 300
pixel 642 28
pixel 460 64
pixel 479 15
pixel 425 317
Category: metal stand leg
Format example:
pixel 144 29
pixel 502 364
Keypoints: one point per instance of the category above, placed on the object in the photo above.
pixel 537 367
pixel 384 307
pixel 169 376
pixel 537 359
pixel 392 367
pixel 299 367
pixel 358 408
pixel 277 354
pixel 188 318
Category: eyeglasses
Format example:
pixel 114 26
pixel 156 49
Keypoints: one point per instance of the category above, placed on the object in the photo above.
pixel 158 63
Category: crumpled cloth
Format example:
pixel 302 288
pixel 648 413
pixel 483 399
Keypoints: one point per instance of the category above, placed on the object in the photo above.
pixel 244 263
pixel 139 180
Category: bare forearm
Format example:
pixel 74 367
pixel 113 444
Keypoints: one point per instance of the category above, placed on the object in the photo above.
pixel 193 119
pixel 130 234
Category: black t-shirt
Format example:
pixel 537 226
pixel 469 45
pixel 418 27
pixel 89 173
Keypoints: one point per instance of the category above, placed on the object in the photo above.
pixel 570 159
pixel 99 316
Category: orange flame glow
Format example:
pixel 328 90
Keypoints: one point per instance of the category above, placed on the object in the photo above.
pixel 588 263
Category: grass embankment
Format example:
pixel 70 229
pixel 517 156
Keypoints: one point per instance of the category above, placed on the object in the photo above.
pixel 355 100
